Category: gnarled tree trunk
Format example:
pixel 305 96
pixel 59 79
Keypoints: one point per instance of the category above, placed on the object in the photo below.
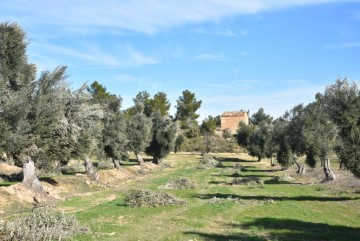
pixel 139 159
pixel 301 168
pixel 90 170
pixel 117 164
pixel 30 179
pixel 156 159
pixel 341 165
pixel 329 175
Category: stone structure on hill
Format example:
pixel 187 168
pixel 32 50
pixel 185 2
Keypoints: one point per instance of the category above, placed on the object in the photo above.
pixel 231 119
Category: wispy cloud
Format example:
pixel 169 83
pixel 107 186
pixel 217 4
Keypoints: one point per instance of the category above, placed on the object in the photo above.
pixel 147 16
pixel 210 56
pixel 137 80
pixel 343 45
pixel 126 78
pixel 224 33
pixel 91 55
pixel 138 58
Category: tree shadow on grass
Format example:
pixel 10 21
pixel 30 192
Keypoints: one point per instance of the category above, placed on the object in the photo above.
pixel 13 177
pixel 300 230
pixel 275 182
pixel 232 159
pixel 275 198
pixel 257 170
pixel 49 180
pixel 284 230
pixel 223 237
pixel 134 162
pixel 241 175
pixel 219 183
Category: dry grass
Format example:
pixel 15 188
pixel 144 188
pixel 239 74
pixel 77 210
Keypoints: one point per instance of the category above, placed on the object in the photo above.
pixel 345 180
pixel 41 224
pixel 180 183
pixel 147 198
pixel 248 181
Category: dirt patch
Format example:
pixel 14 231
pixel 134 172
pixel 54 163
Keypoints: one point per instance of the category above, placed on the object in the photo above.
pixel 61 187
pixel 22 196
pixel 345 180
pixel 9 169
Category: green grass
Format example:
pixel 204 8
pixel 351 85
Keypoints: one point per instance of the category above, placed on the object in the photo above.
pixel 6 184
pixel 297 212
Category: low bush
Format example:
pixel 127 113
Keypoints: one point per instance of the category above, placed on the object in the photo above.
pixel 247 181
pixel 147 198
pixel 208 161
pixel 236 174
pixel 41 224
pixel 239 167
pixel 77 168
pixel 216 200
pixel 165 163
pixel 285 178
pixel 105 165
pixel 180 183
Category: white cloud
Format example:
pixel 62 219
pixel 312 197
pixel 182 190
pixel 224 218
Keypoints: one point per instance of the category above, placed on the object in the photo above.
pixel 137 58
pixel 126 78
pixel 210 56
pixel 148 16
pixel 92 55
pixel 224 33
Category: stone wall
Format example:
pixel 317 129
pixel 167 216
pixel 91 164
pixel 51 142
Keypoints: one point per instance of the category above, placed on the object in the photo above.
pixel 231 120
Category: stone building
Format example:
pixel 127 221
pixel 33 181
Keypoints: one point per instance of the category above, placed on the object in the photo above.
pixel 231 119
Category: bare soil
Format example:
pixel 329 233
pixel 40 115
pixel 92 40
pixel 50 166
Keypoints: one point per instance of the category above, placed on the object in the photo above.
pixel 17 196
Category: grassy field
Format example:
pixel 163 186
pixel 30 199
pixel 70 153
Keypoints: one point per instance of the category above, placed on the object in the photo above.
pixel 285 210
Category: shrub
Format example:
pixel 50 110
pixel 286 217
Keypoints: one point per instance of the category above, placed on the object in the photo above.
pixel 180 183
pixel 207 161
pixel 77 168
pixel 165 163
pixel 41 224
pixel 105 165
pixel 236 174
pixel 238 167
pixel 247 181
pixel 218 144
pixel 147 198
pixel 216 200
pixel 285 178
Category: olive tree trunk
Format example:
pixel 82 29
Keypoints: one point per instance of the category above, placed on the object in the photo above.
pixel 329 175
pixel 301 168
pixel 90 170
pixel 155 159
pixel 139 159
pixel 30 179
pixel 117 164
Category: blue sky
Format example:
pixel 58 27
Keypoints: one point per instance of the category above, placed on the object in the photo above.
pixel 233 54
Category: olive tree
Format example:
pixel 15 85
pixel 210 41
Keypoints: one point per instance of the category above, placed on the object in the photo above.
pixel 164 133
pixel 342 103
pixel 138 131
pixel 256 137
pixel 113 140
